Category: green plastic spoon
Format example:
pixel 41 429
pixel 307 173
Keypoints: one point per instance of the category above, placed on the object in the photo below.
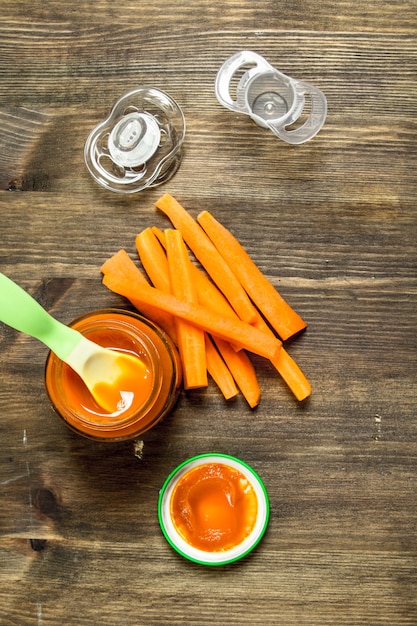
pixel 98 367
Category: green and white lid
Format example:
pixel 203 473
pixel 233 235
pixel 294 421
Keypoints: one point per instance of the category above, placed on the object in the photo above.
pixel 176 540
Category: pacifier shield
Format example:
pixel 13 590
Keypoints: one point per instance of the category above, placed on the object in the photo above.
pixel 139 144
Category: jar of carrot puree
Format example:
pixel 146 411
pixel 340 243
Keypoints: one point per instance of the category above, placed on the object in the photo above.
pixel 213 509
pixel 126 332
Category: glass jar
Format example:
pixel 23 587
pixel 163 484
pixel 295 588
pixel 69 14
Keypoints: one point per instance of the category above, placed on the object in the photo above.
pixel 127 332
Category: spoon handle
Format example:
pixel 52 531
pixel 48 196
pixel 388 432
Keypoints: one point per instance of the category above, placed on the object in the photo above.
pixel 23 313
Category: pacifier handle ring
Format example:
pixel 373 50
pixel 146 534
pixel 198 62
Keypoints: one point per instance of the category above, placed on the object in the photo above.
pixel 312 125
pixel 228 70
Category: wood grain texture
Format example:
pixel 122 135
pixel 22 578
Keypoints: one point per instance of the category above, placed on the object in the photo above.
pixel 332 223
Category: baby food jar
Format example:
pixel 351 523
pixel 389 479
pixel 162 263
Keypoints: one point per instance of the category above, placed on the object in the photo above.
pixel 126 332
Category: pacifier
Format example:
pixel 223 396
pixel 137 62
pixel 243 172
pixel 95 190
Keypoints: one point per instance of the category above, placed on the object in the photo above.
pixel 139 144
pixel 272 99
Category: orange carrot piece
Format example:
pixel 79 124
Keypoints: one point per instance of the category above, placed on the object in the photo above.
pixel 153 259
pixel 166 273
pixel 270 303
pixel 191 342
pixel 209 295
pixel 235 331
pixel 212 298
pixel 209 257
pixel 120 264
pixel 179 267
pixel 159 234
pixel 219 371
pixel 288 369
pixel 292 375
pixel 155 263
pixel 242 370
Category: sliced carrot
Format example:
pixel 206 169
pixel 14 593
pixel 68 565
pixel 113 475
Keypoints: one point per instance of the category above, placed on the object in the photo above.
pixel 210 296
pixel 190 338
pixel 121 265
pixel 159 234
pixel 292 374
pixel 208 293
pixel 153 259
pixel 210 258
pixel 179 267
pixel 235 331
pixel 242 370
pixel 219 371
pixel 172 275
pixel 287 367
pixel 277 311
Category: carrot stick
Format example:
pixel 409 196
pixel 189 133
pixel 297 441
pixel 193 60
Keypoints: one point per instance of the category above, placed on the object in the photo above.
pixel 235 331
pixel 210 296
pixel 277 311
pixel 209 256
pixel 153 259
pixel 242 370
pixel 219 371
pixel 191 342
pixel 172 275
pixel 287 367
pixel 179 267
pixel 159 234
pixel 208 293
pixel 292 375
pixel 121 265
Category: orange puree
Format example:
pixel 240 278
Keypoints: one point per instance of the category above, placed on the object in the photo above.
pixel 127 395
pixel 214 507
pixel 131 388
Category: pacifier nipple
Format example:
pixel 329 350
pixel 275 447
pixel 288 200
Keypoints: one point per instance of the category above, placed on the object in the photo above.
pixel 134 139
pixel 270 105
pixel 139 144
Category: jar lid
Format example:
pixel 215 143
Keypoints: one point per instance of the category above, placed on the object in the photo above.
pixel 195 554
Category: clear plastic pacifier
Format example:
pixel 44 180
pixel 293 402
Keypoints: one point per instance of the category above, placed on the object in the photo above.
pixel 272 99
pixel 139 144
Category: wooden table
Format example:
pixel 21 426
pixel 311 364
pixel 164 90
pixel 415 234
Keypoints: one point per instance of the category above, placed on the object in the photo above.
pixel 331 222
